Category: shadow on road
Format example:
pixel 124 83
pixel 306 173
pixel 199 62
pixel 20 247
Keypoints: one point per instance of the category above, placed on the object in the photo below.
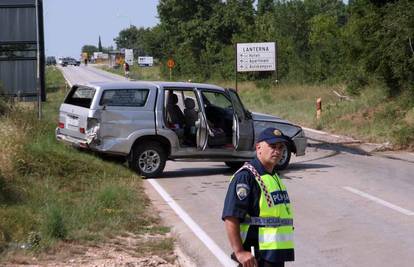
pixel 196 172
pixel 219 170
pixel 339 148
pixel 303 165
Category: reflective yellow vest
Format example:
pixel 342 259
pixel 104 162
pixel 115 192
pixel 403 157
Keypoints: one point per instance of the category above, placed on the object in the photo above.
pixel 275 219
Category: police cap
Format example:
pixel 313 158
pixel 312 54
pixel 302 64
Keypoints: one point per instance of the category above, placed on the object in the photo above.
pixel 273 136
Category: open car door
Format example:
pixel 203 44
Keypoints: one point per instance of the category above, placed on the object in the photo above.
pixel 203 129
pixel 243 135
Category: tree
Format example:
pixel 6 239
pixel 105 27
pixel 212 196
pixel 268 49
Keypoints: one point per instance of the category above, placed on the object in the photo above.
pixel 99 44
pixel 379 43
pixel 265 6
pixel 90 49
pixel 139 39
pixel 325 44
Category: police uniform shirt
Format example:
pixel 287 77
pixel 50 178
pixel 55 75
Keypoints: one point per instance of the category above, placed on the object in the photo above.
pixel 242 198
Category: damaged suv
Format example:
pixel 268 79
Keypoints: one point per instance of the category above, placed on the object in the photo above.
pixel 152 122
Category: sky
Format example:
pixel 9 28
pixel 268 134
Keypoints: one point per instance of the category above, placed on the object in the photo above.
pixel 70 24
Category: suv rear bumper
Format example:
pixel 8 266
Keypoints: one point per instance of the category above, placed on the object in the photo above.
pixel 76 142
pixel 113 146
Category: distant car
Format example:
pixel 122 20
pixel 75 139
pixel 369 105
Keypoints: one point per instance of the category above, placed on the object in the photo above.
pixel 62 61
pixel 50 61
pixel 72 61
pixel 151 122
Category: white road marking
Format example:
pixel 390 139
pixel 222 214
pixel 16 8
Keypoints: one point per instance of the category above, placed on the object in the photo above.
pixel 210 244
pixel 380 201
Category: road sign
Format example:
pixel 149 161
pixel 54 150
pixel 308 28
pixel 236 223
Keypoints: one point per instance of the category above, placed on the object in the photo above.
pixel 129 56
pixel 170 63
pixel 256 57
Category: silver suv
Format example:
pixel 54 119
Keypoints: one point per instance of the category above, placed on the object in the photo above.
pixel 152 122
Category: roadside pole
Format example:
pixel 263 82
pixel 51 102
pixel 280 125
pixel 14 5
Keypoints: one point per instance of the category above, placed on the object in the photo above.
pixel 276 63
pixel 39 94
pixel 170 65
pixel 236 81
pixel 235 65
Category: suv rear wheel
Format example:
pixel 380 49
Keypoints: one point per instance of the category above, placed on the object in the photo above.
pixel 148 159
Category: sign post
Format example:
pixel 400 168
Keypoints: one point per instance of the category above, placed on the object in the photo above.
pixel 170 65
pixel 255 57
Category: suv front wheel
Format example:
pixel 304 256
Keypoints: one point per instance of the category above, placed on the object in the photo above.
pixel 284 161
pixel 148 159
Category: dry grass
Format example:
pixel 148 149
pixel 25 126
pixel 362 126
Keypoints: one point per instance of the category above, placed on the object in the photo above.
pixel 9 145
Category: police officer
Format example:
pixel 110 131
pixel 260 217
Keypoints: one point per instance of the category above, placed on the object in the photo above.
pixel 257 212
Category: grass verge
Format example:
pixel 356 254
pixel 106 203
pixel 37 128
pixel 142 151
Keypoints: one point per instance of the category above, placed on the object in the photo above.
pixel 50 192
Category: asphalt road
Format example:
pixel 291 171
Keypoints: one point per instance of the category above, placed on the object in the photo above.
pixel 352 208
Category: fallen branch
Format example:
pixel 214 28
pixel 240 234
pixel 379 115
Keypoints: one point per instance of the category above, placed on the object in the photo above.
pixel 342 97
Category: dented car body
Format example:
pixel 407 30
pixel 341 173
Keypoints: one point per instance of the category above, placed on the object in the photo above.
pixel 151 122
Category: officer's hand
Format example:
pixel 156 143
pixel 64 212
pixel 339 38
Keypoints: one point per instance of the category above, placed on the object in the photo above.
pixel 246 259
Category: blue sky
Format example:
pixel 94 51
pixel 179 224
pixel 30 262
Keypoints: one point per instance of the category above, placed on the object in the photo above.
pixel 69 24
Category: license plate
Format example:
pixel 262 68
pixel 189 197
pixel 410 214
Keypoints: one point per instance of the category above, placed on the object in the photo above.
pixel 72 121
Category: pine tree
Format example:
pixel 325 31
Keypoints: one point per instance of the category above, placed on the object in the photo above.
pixel 99 44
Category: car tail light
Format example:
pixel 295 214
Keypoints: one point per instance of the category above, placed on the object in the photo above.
pixel 61 125
pixel 82 130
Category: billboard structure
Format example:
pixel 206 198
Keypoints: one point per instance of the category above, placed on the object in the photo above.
pixel 21 45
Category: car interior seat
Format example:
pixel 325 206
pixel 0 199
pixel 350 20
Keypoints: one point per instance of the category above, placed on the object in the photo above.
pixel 191 116
pixel 174 114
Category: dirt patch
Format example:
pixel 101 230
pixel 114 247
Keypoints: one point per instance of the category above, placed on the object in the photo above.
pixel 123 250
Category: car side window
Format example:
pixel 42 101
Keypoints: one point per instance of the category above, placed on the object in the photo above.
pixel 217 99
pixel 124 97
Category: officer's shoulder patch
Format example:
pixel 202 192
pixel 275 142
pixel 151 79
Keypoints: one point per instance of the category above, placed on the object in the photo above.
pixel 242 190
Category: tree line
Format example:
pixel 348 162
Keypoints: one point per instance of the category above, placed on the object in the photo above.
pixel 357 43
